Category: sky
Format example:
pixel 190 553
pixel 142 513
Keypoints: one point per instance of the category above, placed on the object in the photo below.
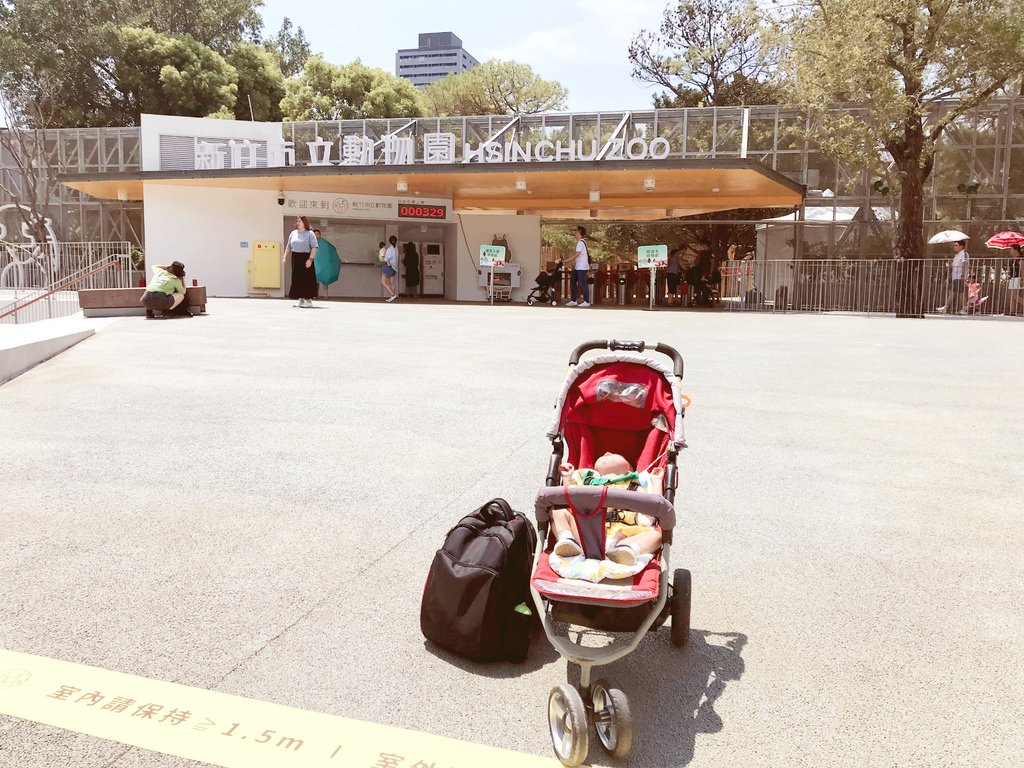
pixel 582 44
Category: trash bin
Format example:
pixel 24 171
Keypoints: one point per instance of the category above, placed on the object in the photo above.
pixel 622 290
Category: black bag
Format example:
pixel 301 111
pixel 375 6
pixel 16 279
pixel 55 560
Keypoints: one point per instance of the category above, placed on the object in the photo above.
pixel 478 578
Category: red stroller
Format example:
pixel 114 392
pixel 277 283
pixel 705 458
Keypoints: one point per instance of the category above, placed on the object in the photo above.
pixel 630 405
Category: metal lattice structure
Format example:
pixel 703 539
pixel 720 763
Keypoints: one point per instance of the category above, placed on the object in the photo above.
pixel 977 182
pixel 77 217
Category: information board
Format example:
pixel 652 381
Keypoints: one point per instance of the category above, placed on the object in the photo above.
pixel 648 256
pixel 492 255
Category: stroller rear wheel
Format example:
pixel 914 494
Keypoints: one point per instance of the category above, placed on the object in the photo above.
pixel 567 719
pixel 612 719
pixel 529 301
pixel 680 607
pixel 554 303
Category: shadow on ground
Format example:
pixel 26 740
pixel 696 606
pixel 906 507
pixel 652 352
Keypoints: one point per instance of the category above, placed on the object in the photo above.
pixel 541 654
pixel 672 694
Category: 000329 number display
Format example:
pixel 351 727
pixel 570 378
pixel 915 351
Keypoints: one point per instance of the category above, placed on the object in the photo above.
pixel 422 211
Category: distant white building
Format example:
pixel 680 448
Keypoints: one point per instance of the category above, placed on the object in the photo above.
pixel 439 54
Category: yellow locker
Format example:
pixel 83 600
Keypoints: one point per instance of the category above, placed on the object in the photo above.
pixel 266 264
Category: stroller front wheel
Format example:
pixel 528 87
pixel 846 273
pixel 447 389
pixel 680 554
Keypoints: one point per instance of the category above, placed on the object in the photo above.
pixel 612 719
pixel 529 301
pixel 567 720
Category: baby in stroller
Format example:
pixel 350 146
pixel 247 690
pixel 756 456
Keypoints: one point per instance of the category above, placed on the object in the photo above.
pixel 615 411
pixel 628 534
pixel 544 290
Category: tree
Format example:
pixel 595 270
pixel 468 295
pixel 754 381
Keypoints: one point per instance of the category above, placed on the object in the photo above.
pixel 327 91
pixel 171 75
pixel 495 88
pixel 260 83
pixel 74 45
pixel 33 182
pixel 220 24
pixel 708 53
pixel 61 46
pixel 291 48
pixel 917 67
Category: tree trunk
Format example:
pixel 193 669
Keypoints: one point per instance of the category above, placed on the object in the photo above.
pixel 910 228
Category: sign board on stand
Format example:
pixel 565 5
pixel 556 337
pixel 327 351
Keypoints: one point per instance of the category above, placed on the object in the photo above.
pixel 648 256
pixel 651 257
pixel 492 256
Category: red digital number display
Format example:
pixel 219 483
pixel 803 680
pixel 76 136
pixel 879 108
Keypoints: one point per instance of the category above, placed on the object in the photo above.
pixel 422 211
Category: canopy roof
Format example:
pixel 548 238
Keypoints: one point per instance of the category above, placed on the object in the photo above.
pixel 553 190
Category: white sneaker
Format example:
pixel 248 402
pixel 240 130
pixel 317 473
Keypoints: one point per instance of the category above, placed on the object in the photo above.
pixel 568 547
pixel 570 304
pixel 623 554
pixel 302 303
pixel 391 298
pixel 941 310
pixel 585 304
pixel 309 303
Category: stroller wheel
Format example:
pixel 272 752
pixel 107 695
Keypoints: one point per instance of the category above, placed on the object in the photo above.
pixel 612 720
pixel 567 719
pixel 529 301
pixel 680 607
pixel 554 303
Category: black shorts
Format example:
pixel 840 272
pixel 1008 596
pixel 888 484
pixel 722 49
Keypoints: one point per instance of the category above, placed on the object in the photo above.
pixel 674 278
pixel 157 302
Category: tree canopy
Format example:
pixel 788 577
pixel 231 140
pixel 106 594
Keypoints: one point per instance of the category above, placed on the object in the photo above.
pixel 900 59
pixel 171 74
pixel 259 80
pixel 495 88
pixel 101 62
pixel 291 48
pixel 326 91
pixel 708 53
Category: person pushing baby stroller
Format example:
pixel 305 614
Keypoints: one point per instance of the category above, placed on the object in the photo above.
pixel 545 289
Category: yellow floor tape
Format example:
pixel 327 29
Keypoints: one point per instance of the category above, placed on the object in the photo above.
pixel 218 728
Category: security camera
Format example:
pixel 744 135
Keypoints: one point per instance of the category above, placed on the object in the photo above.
pixel 280 198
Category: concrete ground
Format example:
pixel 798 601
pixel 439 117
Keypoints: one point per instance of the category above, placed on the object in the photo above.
pixel 249 501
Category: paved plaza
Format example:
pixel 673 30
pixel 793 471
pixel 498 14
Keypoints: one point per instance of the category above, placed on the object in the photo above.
pixel 249 502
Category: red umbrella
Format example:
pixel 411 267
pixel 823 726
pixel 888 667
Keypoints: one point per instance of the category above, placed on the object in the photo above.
pixel 1005 239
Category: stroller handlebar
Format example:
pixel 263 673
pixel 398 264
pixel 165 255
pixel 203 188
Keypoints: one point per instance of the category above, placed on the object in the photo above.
pixel 629 346
pixel 587 497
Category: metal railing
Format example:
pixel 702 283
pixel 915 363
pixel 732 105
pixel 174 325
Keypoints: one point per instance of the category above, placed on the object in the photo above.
pixel 905 287
pixel 31 266
pixel 60 297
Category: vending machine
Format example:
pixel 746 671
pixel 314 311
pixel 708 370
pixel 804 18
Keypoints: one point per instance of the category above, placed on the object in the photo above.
pixel 432 273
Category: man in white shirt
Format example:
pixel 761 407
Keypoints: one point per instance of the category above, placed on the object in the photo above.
pixel 581 271
pixel 956 291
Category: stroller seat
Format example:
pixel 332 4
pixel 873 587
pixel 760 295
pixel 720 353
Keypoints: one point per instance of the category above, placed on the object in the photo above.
pixel 640 589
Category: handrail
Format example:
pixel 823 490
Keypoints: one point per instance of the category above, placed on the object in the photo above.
pixel 20 304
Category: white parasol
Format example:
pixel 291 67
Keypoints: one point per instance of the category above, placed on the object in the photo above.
pixel 948 236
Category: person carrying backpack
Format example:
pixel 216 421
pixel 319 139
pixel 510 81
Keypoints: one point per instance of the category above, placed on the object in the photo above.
pixel 582 270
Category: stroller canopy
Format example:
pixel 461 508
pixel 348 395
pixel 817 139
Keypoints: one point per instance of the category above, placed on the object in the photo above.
pixel 620 403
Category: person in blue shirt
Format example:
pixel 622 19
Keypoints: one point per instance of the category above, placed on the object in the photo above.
pixel 301 247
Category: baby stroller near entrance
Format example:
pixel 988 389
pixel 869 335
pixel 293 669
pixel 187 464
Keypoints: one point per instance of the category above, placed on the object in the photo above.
pixel 544 291
pixel 626 403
